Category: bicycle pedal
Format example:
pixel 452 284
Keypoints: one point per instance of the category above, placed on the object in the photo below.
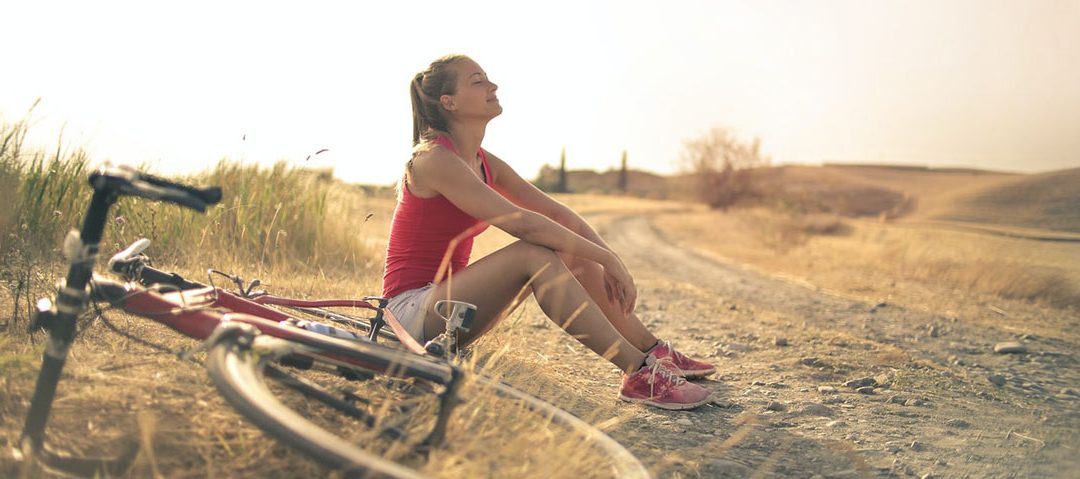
pixel 435 348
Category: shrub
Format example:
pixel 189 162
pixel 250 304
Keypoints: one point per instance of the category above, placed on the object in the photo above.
pixel 723 167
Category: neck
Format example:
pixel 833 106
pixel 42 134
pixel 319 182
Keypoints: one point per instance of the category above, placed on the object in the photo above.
pixel 467 137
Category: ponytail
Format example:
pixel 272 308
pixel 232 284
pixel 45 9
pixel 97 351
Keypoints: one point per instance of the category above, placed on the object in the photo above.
pixel 425 91
pixel 416 93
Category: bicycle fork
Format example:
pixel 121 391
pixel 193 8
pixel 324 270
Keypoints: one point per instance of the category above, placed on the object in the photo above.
pixel 59 320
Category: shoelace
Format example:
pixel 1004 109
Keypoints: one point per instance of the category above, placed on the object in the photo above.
pixel 671 350
pixel 658 367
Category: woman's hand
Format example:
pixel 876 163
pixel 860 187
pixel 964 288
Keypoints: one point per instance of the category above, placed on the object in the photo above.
pixel 620 285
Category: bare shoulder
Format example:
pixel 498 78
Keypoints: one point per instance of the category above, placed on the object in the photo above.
pixel 428 166
pixel 434 158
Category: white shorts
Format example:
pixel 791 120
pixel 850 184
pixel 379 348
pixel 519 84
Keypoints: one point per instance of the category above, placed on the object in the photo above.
pixel 408 308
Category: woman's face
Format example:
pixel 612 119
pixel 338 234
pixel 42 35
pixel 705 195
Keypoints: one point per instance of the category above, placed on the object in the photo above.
pixel 475 96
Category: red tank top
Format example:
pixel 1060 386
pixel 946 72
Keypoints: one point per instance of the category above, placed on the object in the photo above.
pixel 421 232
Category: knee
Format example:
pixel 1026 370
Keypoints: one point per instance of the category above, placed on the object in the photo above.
pixel 581 268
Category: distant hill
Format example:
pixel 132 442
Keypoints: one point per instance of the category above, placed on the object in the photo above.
pixel 1049 201
pixel 895 191
pixel 639 183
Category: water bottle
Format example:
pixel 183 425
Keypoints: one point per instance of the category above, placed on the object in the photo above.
pixel 321 328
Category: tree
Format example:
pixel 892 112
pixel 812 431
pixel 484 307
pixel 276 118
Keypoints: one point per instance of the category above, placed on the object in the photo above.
pixel 561 188
pixel 624 182
pixel 722 166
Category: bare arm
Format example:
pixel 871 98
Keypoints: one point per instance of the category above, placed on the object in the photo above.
pixel 444 172
pixel 528 196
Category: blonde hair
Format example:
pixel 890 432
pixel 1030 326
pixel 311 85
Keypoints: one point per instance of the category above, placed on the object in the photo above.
pixel 429 120
pixel 426 90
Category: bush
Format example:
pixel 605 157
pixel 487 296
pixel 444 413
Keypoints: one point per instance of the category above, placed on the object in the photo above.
pixel 723 167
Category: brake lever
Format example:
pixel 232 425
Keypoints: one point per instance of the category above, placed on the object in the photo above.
pixel 130 252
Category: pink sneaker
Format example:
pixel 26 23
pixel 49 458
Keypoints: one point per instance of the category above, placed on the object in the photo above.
pixel 657 385
pixel 684 366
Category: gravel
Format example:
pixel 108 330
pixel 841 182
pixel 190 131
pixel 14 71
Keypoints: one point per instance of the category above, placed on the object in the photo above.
pixel 860 382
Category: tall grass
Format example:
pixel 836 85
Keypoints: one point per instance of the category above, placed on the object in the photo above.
pixel 981 270
pixel 47 187
pixel 886 260
pixel 271 220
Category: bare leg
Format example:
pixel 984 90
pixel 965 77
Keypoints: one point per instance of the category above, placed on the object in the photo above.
pixel 494 281
pixel 591 276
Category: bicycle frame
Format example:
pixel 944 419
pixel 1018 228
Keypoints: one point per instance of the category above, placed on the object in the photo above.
pixel 132 265
pixel 198 313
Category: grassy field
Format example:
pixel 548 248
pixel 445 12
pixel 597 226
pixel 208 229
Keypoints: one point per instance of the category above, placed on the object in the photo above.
pixel 1046 201
pixel 325 238
pixel 967 239
pixel 303 234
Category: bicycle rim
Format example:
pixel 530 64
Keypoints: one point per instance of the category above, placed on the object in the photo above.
pixel 238 374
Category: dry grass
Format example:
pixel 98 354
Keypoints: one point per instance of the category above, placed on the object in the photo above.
pixel 995 267
pixel 330 243
pixel 321 239
pixel 907 258
pixel 117 393
pixel 525 441
pixel 782 232
pixel 276 221
pixel 1049 201
pixel 905 263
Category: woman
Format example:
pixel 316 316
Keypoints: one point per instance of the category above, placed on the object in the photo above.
pixel 447 198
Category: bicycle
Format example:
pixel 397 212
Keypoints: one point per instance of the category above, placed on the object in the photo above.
pixel 245 340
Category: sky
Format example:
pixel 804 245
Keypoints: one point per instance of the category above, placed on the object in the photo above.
pixel 179 86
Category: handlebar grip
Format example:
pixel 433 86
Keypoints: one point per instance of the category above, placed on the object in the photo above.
pixel 208 194
pixel 128 181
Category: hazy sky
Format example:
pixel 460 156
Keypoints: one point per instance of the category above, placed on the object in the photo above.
pixel 980 83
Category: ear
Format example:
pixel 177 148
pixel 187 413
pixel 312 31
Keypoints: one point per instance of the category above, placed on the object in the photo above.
pixel 447 102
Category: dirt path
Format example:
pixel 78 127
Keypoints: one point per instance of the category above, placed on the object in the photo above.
pixel 936 399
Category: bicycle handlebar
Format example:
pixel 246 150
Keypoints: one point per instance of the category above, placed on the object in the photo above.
pixel 128 181
pixel 133 266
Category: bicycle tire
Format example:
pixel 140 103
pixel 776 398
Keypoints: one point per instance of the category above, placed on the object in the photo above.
pixel 238 375
pixel 237 371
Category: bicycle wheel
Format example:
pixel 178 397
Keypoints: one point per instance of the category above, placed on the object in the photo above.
pixel 396 427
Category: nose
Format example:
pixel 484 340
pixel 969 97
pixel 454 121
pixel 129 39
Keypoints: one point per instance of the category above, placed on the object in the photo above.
pixel 494 87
